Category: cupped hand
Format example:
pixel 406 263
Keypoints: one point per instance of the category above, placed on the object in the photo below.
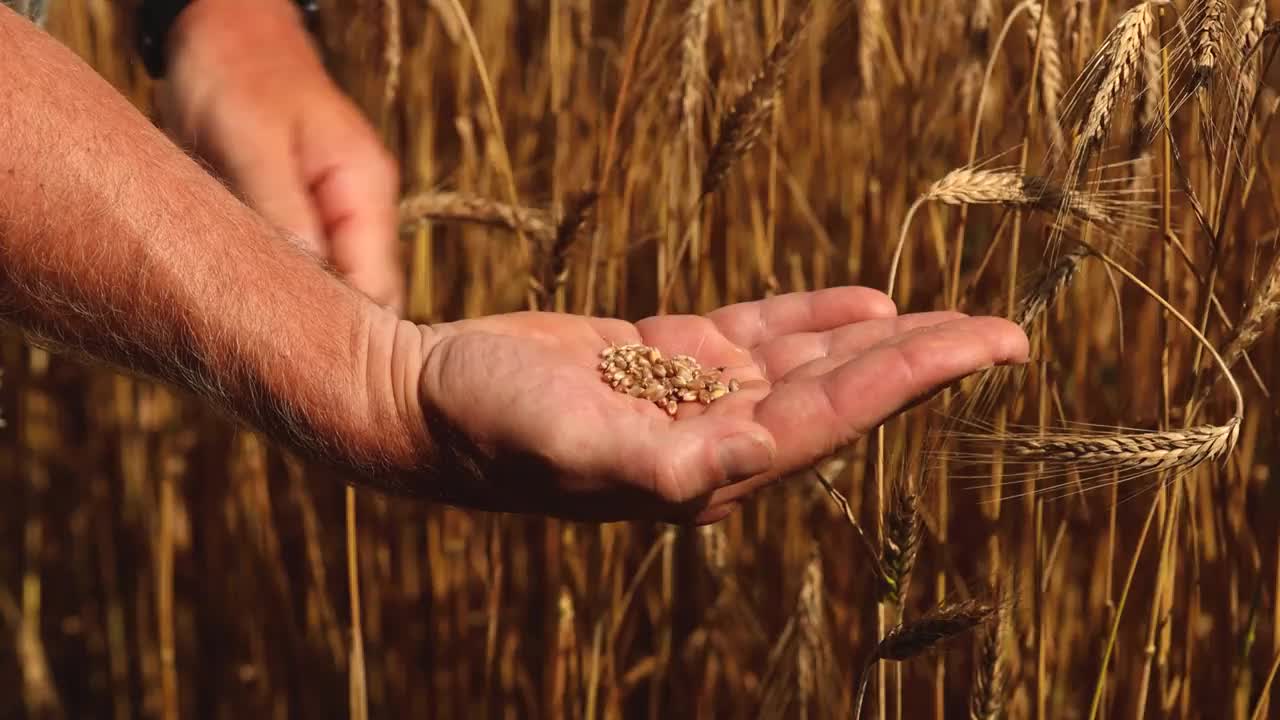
pixel 520 398
pixel 248 93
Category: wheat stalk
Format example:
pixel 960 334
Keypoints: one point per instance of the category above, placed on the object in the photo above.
pixel 392 54
pixel 464 207
pixel 870 27
pixel 739 132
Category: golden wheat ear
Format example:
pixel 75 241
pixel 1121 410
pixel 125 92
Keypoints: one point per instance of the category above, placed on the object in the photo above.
pixel 456 207
pixel 1134 453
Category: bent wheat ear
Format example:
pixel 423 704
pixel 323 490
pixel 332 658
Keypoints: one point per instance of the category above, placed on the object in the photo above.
pixel 555 262
pixel 916 637
pixel 1107 78
pixel 1261 314
pixel 462 207
pixel 1048 287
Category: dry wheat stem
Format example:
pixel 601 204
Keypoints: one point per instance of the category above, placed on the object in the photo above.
pixel 870 30
pixel 464 207
pixel 392 54
pixel 495 116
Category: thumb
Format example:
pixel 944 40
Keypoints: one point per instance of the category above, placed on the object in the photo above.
pixel 689 459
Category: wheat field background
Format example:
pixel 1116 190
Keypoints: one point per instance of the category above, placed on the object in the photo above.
pixel 161 563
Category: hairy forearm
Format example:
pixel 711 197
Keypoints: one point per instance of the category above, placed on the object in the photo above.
pixel 115 244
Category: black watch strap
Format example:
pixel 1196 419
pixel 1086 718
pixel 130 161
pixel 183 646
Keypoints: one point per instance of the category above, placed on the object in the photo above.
pixel 156 18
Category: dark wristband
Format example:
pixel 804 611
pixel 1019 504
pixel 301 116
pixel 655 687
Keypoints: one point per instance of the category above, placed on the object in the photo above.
pixel 156 18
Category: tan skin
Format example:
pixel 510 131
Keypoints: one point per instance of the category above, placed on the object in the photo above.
pixel 247 92
pixel 115 244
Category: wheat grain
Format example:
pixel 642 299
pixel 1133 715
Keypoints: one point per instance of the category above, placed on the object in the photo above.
pixel 644 372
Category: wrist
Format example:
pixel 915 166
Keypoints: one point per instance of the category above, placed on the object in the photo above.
pixel 393 428
pixel 224 32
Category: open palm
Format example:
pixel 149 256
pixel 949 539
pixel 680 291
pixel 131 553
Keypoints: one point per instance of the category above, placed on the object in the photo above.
pixel 517 399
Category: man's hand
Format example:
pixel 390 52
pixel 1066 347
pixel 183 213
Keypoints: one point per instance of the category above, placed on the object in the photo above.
pixel 520 395
pixel 247 92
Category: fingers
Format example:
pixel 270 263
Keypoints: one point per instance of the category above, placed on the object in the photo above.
pixel 753 323
pixel 781 357
pixel 354 183
pixel 677 462
pixel 264 170
pixel 811 417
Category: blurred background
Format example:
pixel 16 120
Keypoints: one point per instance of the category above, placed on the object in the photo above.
pixel 162 563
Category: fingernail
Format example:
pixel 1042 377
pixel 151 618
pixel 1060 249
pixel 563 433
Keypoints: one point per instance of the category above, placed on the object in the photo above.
pixel 744 456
